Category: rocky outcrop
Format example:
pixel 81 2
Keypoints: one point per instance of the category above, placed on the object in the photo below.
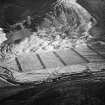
pixel 97 9
pixel 12 11
pixel 65 21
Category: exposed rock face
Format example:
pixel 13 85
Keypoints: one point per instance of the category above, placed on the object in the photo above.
pixel 97 9
pixel 13 11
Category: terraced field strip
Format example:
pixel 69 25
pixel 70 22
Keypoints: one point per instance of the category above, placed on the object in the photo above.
pixel 29 62
pixel 50 60
pixel 58 58
pixel 70 57
pixel 99 49
pixel 89 54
